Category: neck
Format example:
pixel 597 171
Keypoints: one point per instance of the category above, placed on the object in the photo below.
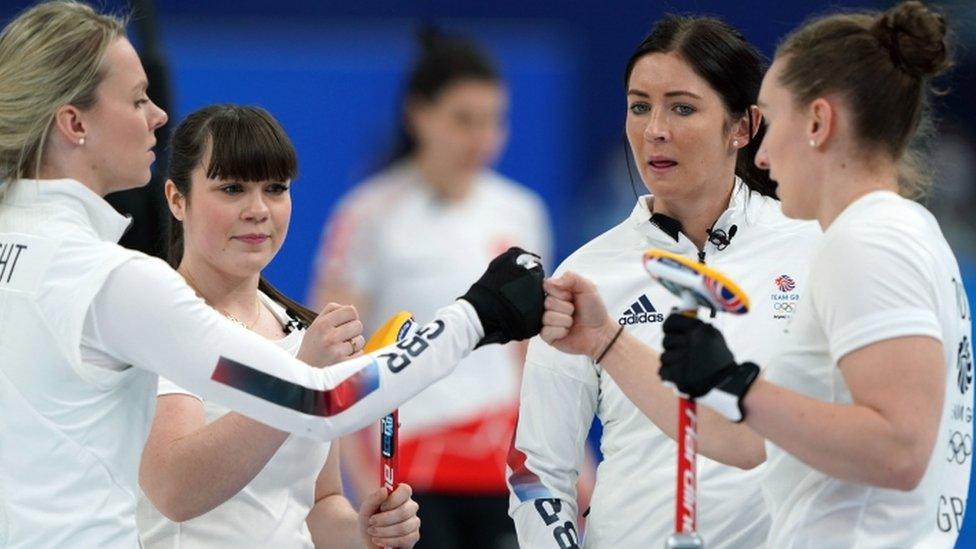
pixel 850 180
pixel 64 162
pixel 450 185
pixel 228 294
pixel 697 214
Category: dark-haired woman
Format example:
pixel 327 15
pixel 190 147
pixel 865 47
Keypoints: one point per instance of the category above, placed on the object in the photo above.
pixel 221 478
pixel 692 125
pixel 864 409
pixel 450 214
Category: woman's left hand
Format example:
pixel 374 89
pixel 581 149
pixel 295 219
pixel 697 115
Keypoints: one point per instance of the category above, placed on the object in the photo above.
pixel 390 520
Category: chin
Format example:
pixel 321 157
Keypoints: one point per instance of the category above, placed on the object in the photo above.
pixel 794 210
pixel 132 183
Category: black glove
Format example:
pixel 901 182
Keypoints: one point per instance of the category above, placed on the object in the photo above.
pixel 509 298
pixel 698 363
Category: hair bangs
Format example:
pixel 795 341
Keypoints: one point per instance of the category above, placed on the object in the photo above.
pixel 249 145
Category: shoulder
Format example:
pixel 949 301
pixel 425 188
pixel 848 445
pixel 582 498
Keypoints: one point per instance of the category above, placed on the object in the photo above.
pixel 768 235
pixel 883 220
pixel 373 193
pixel 497 187
pixel 766 213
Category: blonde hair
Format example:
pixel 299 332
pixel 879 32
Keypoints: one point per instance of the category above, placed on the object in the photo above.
pixel 50 55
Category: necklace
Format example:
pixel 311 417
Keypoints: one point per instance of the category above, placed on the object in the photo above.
pixel 257 304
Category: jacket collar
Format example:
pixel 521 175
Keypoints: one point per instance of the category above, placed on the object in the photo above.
pixel 658 232
pixel 82 205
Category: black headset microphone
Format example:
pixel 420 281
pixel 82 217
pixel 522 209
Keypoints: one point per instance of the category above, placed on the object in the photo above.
pixel 720 238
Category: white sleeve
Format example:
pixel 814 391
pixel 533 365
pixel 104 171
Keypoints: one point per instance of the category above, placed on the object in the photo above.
pixel 869 285
pixel 558 402
pixel 145 315
pixel 167 387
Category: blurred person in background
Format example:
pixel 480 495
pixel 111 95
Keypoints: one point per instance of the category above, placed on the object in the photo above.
pixel 409 237
pixel 217 478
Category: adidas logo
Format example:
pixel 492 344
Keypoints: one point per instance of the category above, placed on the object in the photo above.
pixel 640 312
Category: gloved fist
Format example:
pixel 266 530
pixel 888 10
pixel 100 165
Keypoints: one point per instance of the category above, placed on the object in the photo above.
pixel 509 298
pixel 698 363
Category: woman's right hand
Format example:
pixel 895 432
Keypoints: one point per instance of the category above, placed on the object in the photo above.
pixel 576 320
pixel 336 335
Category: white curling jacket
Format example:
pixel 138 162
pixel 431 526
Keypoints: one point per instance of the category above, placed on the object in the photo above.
pixel 633 501
pixel 86 326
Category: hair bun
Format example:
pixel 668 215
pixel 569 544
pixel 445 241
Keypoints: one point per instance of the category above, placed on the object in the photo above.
pixel 916 38
pixel 430 37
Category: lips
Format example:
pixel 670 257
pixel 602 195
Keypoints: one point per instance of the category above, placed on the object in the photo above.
pixel 252 238
pixel 661 163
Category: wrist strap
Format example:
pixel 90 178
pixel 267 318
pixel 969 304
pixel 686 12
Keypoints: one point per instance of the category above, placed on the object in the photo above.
pixel 612 341
pixel 734 389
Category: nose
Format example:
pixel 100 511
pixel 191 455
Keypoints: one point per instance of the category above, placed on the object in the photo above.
pixel 158 118
pixel 762 157
pixel 256 208
pixel 657 128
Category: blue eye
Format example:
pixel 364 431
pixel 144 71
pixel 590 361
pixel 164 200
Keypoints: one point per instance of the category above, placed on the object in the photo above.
pixel 640 108
pixel 684 110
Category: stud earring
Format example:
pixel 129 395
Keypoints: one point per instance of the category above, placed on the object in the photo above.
pixel 813 143
pixel 735 143
pixel 81 141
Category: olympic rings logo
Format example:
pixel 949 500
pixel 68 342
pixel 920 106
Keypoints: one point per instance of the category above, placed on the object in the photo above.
pixel 960 447
pixel 784 307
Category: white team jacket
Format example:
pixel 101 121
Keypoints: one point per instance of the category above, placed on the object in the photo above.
pixel 76 310
pixel 633 502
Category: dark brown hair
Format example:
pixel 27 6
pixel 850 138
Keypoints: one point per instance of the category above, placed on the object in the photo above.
pixel 443 60
pixel 881 63
pixel 246 144
pixel 719 54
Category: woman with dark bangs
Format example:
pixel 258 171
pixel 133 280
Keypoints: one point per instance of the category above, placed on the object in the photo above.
pixel 214 476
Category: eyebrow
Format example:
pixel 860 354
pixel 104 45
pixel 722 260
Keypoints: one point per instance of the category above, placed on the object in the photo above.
pixel 676 93
pixel 142 85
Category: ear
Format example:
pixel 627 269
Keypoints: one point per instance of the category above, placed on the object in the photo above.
pixel 175 200
pixel 756 116
pixel 415 116
pixel 742 126
pixel 821 122
pixel 69 123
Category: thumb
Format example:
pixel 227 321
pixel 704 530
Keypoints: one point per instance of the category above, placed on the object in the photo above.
pixel 371 503
pixel 575 283
pixel 397 498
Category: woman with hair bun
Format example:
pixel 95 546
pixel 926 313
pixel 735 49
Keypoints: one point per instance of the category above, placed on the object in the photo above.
pixel 406 238
pixel 865 411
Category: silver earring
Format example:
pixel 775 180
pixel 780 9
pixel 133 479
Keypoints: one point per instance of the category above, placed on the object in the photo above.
pixel 81 141
pixel 813 143
pixel 735 143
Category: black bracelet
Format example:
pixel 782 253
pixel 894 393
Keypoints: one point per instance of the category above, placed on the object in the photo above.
pixel 612 341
